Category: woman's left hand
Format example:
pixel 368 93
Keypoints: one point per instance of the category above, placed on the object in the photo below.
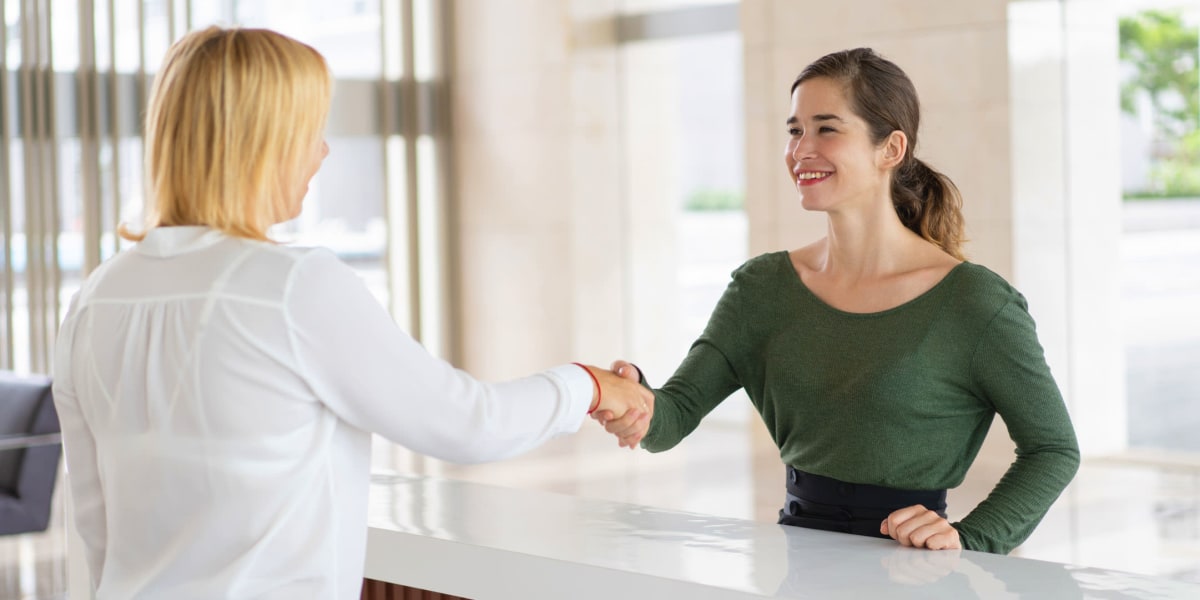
pixel 920 527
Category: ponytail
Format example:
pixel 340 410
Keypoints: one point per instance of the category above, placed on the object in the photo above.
pixel 929 204
pixel 884 97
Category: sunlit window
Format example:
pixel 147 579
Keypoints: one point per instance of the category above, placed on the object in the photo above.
pixel 1160 242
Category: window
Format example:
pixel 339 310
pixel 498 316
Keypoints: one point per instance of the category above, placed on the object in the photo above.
pixel 74 78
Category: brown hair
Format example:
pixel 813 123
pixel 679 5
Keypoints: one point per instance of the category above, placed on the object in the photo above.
pixel 881 94
pixel 233 118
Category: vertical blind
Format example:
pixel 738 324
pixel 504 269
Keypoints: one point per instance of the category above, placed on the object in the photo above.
pixel 74 80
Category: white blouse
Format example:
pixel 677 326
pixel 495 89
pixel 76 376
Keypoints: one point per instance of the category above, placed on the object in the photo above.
pixel 217 396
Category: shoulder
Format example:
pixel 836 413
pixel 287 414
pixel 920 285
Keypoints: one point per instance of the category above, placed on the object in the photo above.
pixel 983 292
pixel 984 280
pixel 108 278
pixel 318 267
pixel 270 271
pixel 322 260
pixel 286 261
pixel 764 268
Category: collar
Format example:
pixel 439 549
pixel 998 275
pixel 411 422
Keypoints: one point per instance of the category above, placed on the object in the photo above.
pixel 163 242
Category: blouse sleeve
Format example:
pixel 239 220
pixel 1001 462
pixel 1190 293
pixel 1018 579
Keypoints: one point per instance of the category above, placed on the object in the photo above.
pixel 1010 371
pixel 79 448
pixel 376 377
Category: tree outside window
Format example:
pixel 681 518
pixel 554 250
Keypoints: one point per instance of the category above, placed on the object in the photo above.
pixel 1160 56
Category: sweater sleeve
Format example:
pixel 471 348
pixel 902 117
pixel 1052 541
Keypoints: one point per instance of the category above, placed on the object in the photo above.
pixel 1009 370
pixel 704 379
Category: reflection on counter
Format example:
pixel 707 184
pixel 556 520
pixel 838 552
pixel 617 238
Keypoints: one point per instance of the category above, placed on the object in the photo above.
pixel 430 532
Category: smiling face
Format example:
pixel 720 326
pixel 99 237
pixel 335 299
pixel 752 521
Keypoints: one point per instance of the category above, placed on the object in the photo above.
pixel 830 155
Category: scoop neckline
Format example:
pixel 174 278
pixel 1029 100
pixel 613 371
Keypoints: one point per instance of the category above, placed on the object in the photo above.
pixel 787 261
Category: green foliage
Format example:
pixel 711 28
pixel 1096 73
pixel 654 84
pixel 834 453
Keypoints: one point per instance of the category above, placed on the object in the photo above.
pixel 712 199
pixel 1163 51
pixel 1146 196
pixel 1179 174
pixel 1164 54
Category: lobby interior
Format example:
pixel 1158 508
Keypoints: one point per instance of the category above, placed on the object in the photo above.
pixel 534 182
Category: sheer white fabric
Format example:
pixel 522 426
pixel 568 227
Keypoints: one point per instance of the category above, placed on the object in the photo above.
pixel 216 397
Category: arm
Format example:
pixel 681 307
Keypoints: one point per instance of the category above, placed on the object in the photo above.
pixel 79 447
pixel 377 378
pixel 707 375
pixel 702 381
pixel 1010 371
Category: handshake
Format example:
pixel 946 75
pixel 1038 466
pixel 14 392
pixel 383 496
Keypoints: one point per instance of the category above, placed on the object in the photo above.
pixel 625 406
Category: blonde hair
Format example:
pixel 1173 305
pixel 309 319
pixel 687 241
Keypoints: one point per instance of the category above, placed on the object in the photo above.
pixel 234 116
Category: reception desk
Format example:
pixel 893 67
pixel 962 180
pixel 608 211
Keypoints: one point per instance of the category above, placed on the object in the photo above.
pixel 486 542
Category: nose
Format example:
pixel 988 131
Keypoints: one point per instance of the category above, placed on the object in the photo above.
pixel 801 148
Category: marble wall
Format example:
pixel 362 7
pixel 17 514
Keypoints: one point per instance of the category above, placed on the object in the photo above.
pixel 538 177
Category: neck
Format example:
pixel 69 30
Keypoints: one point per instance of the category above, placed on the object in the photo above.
pixel 866 243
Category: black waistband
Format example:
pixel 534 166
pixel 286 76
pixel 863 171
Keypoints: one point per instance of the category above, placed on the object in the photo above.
pixel 856 500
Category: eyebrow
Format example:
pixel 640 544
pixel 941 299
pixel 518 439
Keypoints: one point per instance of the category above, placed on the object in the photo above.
pixel 820 117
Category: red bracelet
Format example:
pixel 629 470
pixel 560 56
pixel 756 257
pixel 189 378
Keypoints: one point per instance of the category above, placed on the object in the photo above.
pixel 599 390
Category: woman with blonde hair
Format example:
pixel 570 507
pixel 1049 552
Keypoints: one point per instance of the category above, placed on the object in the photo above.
pixel 218 391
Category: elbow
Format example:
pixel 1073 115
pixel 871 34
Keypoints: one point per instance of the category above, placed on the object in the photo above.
pixel 1067 458
pixel 1071 455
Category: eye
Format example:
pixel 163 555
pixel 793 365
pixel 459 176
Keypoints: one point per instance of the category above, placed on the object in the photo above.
pixel 793 131
pixel 827 129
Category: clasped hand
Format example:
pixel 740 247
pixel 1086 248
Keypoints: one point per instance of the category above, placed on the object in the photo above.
pixel 626 406
pixel 920 527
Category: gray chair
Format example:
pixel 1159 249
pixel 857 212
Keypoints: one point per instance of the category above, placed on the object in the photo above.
pixel 30 449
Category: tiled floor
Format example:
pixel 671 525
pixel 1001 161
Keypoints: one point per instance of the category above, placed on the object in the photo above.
pixel 32 566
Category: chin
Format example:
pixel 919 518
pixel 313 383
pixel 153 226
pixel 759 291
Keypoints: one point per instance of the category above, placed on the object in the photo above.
pixel 812 204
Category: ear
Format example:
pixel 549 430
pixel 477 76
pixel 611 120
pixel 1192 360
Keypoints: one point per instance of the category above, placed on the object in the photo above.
pixel 892 150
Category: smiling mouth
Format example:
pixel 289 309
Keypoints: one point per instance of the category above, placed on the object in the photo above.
pixel 812 177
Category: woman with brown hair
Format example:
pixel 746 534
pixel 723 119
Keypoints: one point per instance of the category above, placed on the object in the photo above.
pixel 876 355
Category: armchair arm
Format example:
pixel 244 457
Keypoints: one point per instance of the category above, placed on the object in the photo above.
pixel 17 442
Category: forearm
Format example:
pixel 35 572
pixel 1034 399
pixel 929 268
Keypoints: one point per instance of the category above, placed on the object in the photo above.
pixel 1011 373
pixel 703 380
pixel 83 480
pixel 668 426
pixel 1013 509
pixel 377 378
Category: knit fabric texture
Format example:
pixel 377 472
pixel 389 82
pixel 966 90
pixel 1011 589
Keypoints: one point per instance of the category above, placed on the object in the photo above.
pixel 901 398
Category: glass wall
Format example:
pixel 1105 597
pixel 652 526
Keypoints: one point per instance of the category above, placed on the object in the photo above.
pixel 73 97
pixel 683 131
pixel 672 74
pixel 1160 240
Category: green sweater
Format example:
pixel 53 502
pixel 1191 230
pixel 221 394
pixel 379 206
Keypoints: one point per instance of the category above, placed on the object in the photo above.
pixel 901 398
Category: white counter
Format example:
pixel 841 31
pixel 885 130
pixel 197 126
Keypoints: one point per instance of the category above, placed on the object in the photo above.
pixel 485 542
